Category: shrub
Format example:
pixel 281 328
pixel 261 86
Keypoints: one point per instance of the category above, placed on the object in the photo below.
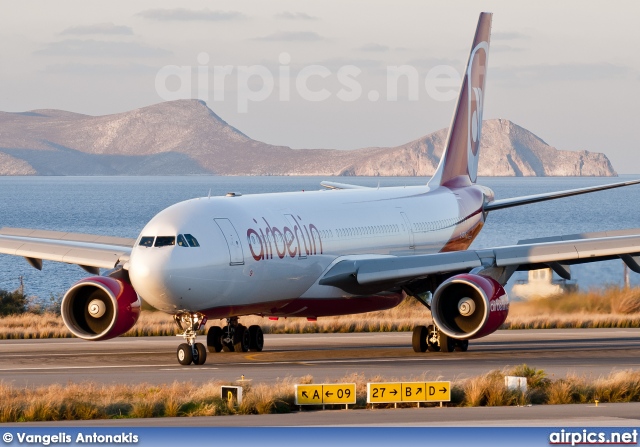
pixel 12 303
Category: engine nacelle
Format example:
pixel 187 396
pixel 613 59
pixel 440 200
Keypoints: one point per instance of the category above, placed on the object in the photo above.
pixel 469 306
pixel 100 308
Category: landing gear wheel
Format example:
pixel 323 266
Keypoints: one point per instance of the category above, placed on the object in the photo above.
pixel 462 345
pixel 447 344
pixel 256 338
pixel 432 339
pixel 202 354
pixel 185 357
pixel 419 339
pixel 213 339
pixel 241 339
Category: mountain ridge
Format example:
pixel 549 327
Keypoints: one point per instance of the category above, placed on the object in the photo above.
pixel 187 137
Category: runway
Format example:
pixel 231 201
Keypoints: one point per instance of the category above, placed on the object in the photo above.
pixel 585 415
pixel 326 357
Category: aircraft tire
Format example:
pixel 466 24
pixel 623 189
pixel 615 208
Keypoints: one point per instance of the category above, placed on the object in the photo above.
pixel 241 340
pixel 202 354
pixel 447 344
pixel 256 337
pixel 214 342
pixel 419 339
pixel 185 357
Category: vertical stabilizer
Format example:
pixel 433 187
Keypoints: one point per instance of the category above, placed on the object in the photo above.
pixel 459 163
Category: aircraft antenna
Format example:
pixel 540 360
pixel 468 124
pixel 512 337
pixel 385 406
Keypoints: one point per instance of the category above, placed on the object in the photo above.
pixel 209 195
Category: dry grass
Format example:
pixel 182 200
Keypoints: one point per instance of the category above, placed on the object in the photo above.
pixel 93 401
pixel 599 308
pixel 608 308
pixel 612 300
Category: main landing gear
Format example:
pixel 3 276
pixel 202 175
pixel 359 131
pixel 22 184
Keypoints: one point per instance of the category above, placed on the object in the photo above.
pixel 190 324
pixel 430 338
pixel 235 337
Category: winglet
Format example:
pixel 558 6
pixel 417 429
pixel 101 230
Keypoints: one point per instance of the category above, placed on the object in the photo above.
pixel 459 163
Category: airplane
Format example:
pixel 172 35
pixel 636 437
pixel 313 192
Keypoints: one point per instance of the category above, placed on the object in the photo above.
pixel 342 250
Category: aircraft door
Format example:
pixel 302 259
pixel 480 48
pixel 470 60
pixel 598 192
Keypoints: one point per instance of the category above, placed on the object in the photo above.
pixel 407 222
pixel 236 256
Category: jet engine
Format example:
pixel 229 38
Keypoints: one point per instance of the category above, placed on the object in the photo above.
pixel 100 308
pixel 469 306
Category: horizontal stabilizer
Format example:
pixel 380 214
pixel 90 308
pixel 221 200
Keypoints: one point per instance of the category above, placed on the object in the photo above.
pixel 336 185
pixel 525 200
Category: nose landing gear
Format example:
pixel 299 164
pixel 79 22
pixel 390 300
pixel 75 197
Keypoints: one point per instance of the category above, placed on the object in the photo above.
pixel 191 352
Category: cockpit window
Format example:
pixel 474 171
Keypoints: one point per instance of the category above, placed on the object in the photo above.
pixel 146 241
pixel 182 241
pixel 163 241
pixel 193 242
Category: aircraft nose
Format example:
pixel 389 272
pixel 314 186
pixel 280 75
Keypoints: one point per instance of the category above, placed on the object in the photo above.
pixel 148 272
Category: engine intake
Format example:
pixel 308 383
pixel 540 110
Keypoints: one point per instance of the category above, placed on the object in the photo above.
pixel 100 308
pixel 469 306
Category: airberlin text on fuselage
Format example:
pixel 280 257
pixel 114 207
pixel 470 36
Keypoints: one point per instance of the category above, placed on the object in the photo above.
pixel 300 240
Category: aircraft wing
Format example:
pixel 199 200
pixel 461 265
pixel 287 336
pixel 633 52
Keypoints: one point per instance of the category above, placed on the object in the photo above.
pixel 91 252
pixel 380 273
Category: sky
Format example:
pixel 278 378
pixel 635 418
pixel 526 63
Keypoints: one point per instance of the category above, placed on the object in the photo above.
pixel 319 74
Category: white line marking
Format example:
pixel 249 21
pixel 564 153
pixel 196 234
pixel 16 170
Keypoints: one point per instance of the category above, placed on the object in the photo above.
pixel 82 367
pixel 80 354
pixel 319 362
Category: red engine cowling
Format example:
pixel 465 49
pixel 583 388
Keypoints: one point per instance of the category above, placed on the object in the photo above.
pixel 100 308
pixel 469 306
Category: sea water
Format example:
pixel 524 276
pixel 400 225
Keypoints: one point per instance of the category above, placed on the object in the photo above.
pixel 121 206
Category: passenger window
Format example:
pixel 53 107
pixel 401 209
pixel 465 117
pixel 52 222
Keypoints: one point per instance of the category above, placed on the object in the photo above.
pixel 146 241
pixel 193 242
pixel 182 241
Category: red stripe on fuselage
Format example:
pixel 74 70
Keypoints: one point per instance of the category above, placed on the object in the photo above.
pixel 310 307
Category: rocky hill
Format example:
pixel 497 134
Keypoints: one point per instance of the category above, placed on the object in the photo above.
pixel 186 137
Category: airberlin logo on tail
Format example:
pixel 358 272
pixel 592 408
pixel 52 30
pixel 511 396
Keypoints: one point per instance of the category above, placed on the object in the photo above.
pixel 476 75
pixel 297 239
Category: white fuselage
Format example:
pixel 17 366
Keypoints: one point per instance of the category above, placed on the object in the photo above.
pixel 264 254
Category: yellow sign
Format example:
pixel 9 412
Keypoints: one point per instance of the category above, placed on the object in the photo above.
pixel 308 394
pixel 340 393
pixel 343 393
pixel 414 392
pixel 408 392
pixel 232 394
pixel 384 392
pixel 438 391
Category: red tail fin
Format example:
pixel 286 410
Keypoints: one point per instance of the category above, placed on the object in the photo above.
pixel 459 163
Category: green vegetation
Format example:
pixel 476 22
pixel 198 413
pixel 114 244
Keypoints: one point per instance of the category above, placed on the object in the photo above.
pixel 93 401
pixel 12 303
